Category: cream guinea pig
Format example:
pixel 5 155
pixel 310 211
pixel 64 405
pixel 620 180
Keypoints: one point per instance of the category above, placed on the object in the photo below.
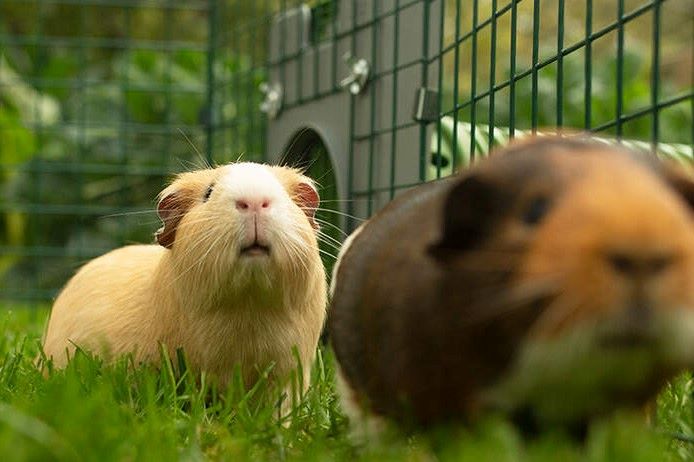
pixel 552 282
pixel 236 279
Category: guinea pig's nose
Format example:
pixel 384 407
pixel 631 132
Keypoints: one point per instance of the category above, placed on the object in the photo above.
pixel 252 204
pixel 638 264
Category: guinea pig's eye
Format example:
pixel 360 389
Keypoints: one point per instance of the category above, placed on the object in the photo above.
pixel 207 193
pixel 437 159
pixel 536 210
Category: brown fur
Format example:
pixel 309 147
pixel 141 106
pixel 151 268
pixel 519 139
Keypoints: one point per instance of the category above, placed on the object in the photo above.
pixel 445 293
pixel 196 291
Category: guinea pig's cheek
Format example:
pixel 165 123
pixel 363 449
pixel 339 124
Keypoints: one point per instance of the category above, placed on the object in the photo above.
pixel 685 278
pixel 185 236
pixel 677 338
pixel 571 291
pixel 283 225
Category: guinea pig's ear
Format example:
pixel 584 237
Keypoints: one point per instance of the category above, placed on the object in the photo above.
pixel 470 211
pixel 307 198
pixel 171 209
pixel 682 183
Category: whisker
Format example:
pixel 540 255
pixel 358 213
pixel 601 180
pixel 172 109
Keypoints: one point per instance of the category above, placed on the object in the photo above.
pixel 158 221
pixel 323 201
pixel 328 239
pixel 329 246
pixel 200 241
pixel 329 249
pixel 187 165
pixel 519 296
pixel 343 234
pixel 322 237
pixel 123 214
pixel 212 246
pixel 324 252
pixel 288 152
pixel 213 219
pixel 553 315
pixel 487 260
pixel 298 249
pixel 204 161
pixel 336 212
pixel 311 164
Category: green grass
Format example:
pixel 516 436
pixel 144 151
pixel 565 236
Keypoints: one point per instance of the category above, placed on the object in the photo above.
pixel 92 411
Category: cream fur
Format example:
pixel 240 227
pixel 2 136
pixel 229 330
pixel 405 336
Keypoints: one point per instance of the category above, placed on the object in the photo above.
pixel 202 295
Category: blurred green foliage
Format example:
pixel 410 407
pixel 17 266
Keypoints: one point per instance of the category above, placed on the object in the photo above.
pixel 99 105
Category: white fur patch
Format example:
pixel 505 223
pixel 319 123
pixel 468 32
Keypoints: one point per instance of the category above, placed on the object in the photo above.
pixel 250 179
pixel 343 250
pixel 364 425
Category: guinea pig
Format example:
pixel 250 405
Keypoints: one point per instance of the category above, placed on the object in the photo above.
pixel 551 283
pixel 236 278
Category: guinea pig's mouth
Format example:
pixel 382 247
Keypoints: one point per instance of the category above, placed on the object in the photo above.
pixel 255 250
pixel 627 340
pixel 630 338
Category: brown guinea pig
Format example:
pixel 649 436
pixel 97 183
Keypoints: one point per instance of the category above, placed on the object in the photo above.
pixel 552 282
pixel 236 279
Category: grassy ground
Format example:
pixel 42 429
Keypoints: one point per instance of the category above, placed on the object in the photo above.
pixel 95 412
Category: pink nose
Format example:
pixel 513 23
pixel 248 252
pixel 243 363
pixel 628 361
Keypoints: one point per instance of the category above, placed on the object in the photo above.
pixel 252 204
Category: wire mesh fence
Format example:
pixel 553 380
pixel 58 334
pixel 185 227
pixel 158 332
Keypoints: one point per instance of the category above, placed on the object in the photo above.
pixel 449 79
pixel 101 100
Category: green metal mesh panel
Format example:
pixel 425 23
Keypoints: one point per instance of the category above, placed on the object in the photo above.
pixel 621 69
pixel 499 69
pixel 238 37
pixel 100 100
